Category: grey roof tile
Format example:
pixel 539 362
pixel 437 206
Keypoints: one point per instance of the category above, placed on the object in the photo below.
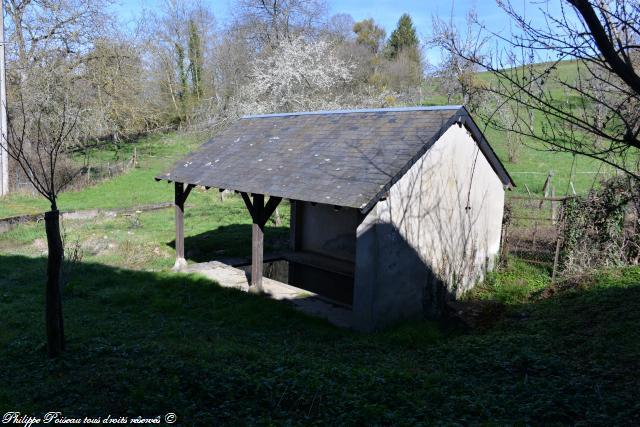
pixel 346 158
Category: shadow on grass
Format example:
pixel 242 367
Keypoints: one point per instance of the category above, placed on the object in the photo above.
pixel 144 344
pixel 231 241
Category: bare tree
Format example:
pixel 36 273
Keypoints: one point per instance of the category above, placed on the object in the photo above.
pixel 507 117
pixel 457 72
pixel 594 110
pixel 56 39
pixel 39 134
pixel 179 46
pixel 273 21
pixel 114 75
pixel 340 27
pixel 38 29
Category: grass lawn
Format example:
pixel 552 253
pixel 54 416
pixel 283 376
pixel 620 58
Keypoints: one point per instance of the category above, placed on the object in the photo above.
pixel 146 342
pixel 134 188
pixel 213 229
pixel 157 153
pixel 534 163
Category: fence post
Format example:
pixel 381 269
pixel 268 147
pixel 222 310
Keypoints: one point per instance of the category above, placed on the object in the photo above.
pixel 559 238
pixel 553 206
pixel 528 192
pixel 546 186
pixel 504 237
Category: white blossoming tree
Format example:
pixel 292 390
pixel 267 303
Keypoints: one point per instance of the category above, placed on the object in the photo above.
pixel 298 76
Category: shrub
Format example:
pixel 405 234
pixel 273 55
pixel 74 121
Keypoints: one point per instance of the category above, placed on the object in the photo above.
pixel 601 229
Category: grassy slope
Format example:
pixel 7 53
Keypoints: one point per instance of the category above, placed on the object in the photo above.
pixel 134 188
pixel 142 343
pixel 212 228
pixel 147 343
pixel 538 161
pixel 145 241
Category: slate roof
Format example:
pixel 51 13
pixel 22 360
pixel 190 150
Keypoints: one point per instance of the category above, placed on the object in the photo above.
pixel 344 158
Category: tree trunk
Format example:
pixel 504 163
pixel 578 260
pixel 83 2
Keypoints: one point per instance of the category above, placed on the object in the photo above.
pixel 55 328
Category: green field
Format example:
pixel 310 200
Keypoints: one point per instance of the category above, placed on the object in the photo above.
pixel 146 342
pixel 533 162
pixel 145 240
pixel 135 188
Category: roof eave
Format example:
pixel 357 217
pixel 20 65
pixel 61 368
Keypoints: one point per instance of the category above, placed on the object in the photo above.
pixel 384 190
pixel 487 150
pixel 463 118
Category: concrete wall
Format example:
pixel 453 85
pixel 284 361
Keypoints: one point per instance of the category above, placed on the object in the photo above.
pixel 436 234
pixel 324 230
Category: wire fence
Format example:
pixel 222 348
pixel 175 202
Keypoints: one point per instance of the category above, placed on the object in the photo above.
pixel 83 176
pixel 533 229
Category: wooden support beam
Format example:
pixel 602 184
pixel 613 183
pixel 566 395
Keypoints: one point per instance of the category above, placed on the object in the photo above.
pixel 294 226
pixel 181 194
pixel 257 244
pixel 247 202
pixel 260 214
pixel 269 208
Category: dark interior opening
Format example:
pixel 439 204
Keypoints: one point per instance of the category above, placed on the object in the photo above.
pixel 334 285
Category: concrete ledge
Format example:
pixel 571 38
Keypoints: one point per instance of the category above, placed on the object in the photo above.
pixel 305 301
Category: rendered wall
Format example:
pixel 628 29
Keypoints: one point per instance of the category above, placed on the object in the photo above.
pixel 324 230
pixel 436 234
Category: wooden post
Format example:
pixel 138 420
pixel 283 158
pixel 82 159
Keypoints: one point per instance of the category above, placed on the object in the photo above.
pixel 294 229
pixel 180 197
pixel 504 238
pixel 545 187
pixel 573 189
pixel 257 244
pixel 260 214
pixel 559 241
pixel 553 205
pixel 179 216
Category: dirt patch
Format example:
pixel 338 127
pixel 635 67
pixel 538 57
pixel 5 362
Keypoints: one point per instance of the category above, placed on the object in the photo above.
pixel 98 246
pixel 474 314
pixel 40 245
pixel 575 283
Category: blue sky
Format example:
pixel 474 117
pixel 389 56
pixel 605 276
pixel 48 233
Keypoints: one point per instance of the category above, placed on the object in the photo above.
pixel 385 12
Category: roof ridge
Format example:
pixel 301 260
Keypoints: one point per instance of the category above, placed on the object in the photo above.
pixel 356 111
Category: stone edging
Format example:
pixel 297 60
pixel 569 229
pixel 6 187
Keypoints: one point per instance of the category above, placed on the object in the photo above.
pixel 9 223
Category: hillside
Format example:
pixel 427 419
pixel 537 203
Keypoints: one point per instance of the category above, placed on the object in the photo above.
pixel 145 342
pixel 533 163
